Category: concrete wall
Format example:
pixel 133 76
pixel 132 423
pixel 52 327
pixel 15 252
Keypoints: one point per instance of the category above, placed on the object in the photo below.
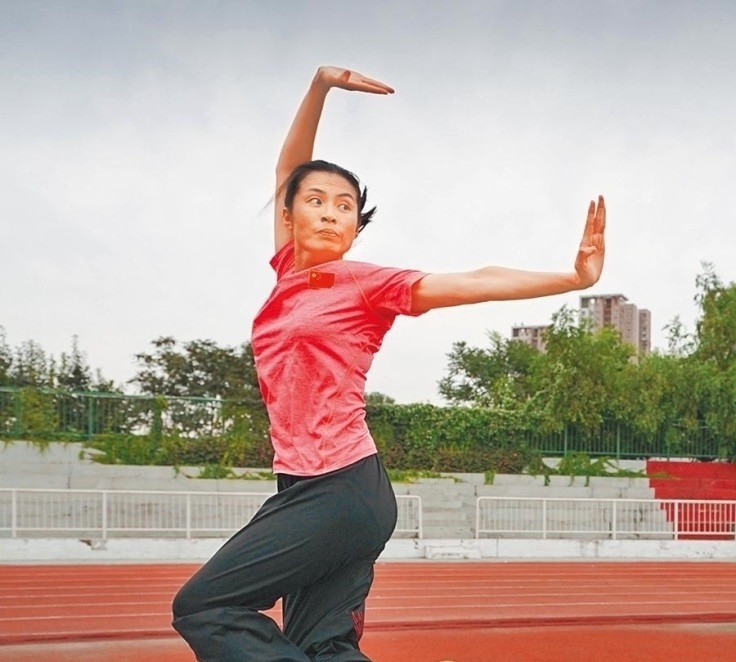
pixel 449 506
pixel 131 550
pixel 67 466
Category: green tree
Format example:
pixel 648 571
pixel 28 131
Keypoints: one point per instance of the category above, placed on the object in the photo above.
pixel 657 393
pixel 199 368
pixel 582 377
pixel 377 398
pixel 712 363
pixel 233 417
pixel 501 375
pixel 716 326
pixel 6 358
pixel 30 366
pixel 73 372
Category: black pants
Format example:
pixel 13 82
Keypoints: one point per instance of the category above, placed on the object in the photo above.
pixel 313 544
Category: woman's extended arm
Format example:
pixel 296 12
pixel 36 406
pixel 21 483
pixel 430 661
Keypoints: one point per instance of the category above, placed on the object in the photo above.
pixel 501 284
pixel 299 142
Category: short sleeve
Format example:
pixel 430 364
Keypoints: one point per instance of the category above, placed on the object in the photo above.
pixel 386 289
pixel 283 262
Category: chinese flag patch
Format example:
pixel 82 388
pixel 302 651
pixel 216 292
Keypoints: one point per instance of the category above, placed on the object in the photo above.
pixel 321 280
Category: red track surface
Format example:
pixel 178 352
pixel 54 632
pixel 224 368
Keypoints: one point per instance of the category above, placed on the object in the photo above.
pixel 469 612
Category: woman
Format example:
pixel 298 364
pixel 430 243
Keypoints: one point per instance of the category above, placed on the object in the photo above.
pixel 314 543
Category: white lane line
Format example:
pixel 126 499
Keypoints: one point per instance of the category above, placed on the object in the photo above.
pixel 447 607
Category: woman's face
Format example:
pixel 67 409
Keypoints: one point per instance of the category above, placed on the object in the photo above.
pixel 323 218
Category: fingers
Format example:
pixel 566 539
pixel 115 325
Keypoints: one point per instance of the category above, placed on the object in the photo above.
pixel 595 223
pixel 352 80
pixel 364 84
pixel 589 221
pixel 592 250
pixel 378 85
pixel 600 215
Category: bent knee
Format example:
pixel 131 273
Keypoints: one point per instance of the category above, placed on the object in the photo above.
pixel 187 601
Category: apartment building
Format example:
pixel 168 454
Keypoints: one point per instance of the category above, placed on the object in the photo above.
pixel 634 324
pixel 531 335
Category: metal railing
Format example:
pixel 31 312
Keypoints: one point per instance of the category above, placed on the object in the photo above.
pixel 52 415
pixel 615 519
pixel 104 514
pixel 409 520
pixel 67 415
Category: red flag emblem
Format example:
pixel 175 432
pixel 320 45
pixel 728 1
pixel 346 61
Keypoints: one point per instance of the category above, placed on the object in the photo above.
pixel 321 280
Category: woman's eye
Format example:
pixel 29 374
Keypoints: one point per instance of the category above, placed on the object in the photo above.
pixel 344 207
pixel 314 201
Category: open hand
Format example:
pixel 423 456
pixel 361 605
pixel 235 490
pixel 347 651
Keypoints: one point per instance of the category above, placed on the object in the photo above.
pixel 351 80
pixel 592 251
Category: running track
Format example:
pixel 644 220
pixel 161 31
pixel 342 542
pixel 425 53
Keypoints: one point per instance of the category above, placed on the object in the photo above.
pixel 418 611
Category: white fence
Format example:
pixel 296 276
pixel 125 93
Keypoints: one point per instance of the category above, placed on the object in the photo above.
pixel 102 514
pixel 409 521
pixel 616 519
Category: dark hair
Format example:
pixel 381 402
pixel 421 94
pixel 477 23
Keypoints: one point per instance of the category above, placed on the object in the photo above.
pixel 301 171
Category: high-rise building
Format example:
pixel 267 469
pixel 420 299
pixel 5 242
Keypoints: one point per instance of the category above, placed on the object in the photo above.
pixel 645 331
pixel 531 335
pixel 634 324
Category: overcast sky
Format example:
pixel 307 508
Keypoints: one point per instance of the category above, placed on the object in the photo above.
pixel 138 141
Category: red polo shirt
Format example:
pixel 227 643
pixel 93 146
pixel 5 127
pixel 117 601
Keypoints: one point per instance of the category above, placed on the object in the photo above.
pixel 314 341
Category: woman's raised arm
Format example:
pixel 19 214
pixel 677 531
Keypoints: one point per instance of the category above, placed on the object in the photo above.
pixel 299 143
pixel 501 284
